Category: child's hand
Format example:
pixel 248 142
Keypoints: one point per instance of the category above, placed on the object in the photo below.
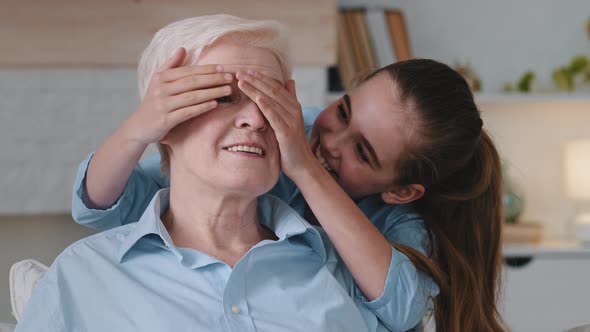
pixel 176 94
pixel 281 108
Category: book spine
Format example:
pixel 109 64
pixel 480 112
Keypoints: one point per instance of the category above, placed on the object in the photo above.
pixel 398 34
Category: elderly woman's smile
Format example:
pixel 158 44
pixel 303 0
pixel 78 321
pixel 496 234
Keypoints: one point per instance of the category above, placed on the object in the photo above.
pixel 247 149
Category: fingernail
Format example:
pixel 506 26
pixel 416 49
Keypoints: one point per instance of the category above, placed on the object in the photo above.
pixel 251 71
pixel 227 77
pixel 227 89
pixel 219 68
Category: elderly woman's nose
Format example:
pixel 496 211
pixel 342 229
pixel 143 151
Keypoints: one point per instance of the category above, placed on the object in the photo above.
pixel 251 117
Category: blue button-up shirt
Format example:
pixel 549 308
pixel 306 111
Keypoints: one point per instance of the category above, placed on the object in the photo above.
pixel 133 278
pixel 407 291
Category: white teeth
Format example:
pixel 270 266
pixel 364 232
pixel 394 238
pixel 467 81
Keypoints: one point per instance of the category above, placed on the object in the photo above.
pixel 245 148
pixel 322 160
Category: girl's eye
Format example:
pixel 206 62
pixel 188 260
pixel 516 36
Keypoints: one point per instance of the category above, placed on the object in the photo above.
pixel 342 113
pixel 225 99
pixel 362 153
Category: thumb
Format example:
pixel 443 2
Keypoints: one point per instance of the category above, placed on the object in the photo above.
pixel 175 60
pixel 291 87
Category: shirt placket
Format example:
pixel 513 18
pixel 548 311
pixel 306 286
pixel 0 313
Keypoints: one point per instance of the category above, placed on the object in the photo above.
pixel 235 304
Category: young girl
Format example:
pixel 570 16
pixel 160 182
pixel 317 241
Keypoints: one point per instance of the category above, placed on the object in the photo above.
pixel 401 159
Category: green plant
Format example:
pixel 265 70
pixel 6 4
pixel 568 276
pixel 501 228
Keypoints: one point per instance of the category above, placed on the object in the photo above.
pixel 565 77
pixel 525 82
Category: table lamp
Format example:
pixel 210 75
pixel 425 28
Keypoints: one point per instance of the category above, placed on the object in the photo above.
pixel 577 183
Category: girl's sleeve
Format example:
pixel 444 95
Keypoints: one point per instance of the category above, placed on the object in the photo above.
pixel 145 180
pixel 310 113
pixel 408 292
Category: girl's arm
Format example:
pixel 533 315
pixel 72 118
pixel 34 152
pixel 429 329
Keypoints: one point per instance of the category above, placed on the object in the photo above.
pixel 143 182
pixel 362 247
pixel 355 238
pixel 176 93
pixel 110 168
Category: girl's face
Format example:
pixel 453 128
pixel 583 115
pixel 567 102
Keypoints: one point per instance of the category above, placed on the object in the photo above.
pixel 360 137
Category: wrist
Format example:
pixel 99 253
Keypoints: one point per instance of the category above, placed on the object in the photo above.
pixel 127 139
pixel 312 170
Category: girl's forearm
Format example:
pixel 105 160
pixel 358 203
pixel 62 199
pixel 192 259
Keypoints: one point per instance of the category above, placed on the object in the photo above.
pixel 364 250
pixel 110 168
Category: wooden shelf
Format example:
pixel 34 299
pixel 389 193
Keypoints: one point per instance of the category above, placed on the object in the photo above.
pixel 489 98
pixel 498 98
pixel 546 248
pixel 114 32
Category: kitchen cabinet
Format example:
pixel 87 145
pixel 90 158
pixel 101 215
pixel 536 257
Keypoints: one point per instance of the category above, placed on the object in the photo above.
pixel 546 287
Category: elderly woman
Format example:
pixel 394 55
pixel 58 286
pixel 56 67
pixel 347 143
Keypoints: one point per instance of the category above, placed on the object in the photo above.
pixel 209 253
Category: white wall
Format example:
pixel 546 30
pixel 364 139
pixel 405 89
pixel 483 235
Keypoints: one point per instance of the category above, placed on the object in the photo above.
pixel 530 137
pixel 502 39
pixel 50 119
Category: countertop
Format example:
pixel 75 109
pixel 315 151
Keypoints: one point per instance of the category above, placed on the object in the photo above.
pixel 547 248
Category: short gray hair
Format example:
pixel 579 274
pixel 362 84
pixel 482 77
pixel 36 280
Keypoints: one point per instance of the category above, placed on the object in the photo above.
pixel 196 33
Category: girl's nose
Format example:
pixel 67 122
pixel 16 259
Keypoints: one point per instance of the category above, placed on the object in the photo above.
pixel 332 144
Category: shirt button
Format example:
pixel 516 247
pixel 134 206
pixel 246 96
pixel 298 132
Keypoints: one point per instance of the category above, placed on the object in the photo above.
pixel 235 309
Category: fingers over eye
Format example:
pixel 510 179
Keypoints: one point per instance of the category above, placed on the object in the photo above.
pixel 248 89
pixel 195 82
pixel 197 97
pixel 180 72
pixel 271 87
pixel 266 85
pixel 275 118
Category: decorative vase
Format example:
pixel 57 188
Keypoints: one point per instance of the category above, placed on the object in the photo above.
pixel 512 197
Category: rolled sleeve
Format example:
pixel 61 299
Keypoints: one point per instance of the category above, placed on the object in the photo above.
pixel 139 190
pixel 406 296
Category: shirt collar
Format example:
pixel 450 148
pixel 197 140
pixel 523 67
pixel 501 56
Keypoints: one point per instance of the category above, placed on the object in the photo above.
pixel 150 223
pixel 280 218
pixel 273 213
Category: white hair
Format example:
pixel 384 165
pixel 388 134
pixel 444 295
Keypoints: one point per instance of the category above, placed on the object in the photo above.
pixel 196 33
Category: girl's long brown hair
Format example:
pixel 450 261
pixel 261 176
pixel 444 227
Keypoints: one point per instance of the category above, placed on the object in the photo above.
pixel 457 163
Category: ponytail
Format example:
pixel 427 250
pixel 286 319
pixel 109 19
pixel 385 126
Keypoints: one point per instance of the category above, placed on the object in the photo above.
pixel 467 227
pixel 456 161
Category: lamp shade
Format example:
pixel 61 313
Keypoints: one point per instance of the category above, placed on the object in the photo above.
pixel 577 169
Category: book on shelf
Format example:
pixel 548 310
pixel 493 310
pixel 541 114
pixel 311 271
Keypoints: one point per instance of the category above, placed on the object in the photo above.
pixel 346 60
pixel 380 37
pixel 355 51
pixel 368 39
pixel 398 34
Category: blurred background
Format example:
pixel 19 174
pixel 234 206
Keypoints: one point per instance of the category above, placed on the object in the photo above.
pixel 68 79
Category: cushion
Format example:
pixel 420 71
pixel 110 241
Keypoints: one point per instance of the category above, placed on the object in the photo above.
pixel 24 275
pixel 5 327
pixel 585 328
